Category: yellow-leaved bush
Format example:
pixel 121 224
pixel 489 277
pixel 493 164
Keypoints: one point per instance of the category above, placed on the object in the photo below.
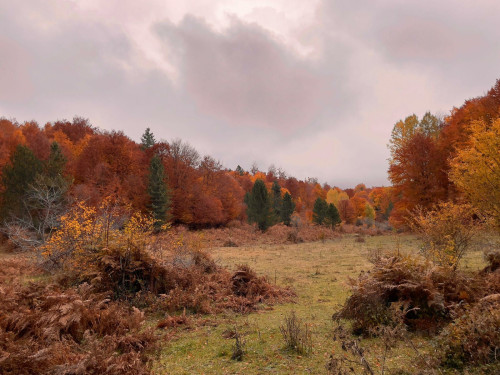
pixel 86 233
pixel 447 231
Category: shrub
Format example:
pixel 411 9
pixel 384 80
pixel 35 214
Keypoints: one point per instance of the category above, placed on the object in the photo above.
pixel 473 338
pixel 296 334
pixel 360 238
pixel 447 231
pixel 239 347
pixel 170 275
pixel 49 329
pixel 294 237
pixel 230 243
pixel 426 294
pixel 493 259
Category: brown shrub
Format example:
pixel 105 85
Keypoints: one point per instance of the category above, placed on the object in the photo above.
pixel 47 330
pixel 246 283
pixel 174 321
pixel 183 279
pixel 294 237
pixel 11 268
pixel 230 243
pixel 473 338
pixel 428 294
pixel 360 238
pixel 493 259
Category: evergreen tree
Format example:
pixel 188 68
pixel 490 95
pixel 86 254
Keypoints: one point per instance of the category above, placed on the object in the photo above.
pixel 319 211
pixel 54 166
pixel 147 139
pixel 16 179
pixel 240 170
pixel 53 178
pixel 287 209
pixel 277 201
pixel 158 192
pixel 332 216
pixel 259 208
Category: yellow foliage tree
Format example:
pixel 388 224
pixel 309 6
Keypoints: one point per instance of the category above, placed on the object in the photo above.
pixel 476 169
pixel 335 196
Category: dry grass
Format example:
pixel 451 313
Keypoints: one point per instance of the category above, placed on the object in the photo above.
pixel 318 273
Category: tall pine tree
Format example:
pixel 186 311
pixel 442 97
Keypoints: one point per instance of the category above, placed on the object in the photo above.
pixel 148 139
pixel 240 170
pixel 277 201
pixel 332 216
pixel 319 211
pixel 54 166
pixel 259 209
pixel 158 192
pixel 287 209
pixel 16 179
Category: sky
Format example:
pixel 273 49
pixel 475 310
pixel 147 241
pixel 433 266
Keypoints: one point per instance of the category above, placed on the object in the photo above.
pixel 313 87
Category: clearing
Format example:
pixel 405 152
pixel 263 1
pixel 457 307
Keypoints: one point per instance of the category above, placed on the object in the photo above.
pixel 317 271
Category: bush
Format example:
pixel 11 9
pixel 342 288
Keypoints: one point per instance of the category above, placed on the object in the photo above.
pixel 90 248
pixel 296 334
pixel 473 338
pixel 230 243
pixel 294 237
pixel 238 347
pixel 49 329
pixel 447 231
pixel 426 293
pixel 493 259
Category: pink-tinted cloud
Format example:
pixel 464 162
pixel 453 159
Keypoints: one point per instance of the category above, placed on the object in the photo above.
pixel 243 75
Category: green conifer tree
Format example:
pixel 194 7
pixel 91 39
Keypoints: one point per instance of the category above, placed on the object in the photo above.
pixel 158 192
pixel 16 179
pixel 52 179
pixel 277 201
pixel 332 216
pixel 259 208
pixel 287 209
pixel 319 211
pixel 54 166
pixel 240 170
pixel 148 139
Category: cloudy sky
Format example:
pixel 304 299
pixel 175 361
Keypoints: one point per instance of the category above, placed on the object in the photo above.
pixel 311 86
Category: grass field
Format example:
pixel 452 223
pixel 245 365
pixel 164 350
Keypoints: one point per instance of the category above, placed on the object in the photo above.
pixel 318 272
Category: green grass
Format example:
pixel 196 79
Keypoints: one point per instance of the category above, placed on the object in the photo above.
pixel 317 272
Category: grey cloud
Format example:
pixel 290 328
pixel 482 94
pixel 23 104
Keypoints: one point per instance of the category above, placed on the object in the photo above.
pixel 455 41
pixel 243 75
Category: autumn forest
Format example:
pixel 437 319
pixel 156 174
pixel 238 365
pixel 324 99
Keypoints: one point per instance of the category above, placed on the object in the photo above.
pixel 425 168
pixel 125 257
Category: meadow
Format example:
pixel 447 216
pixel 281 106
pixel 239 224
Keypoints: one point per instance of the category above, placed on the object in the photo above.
pixel 318 272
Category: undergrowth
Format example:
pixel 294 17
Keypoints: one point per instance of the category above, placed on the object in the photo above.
pixel 461 308
pixel 103 273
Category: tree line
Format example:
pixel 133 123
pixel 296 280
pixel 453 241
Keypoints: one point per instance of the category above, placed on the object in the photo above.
pixel 169 179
